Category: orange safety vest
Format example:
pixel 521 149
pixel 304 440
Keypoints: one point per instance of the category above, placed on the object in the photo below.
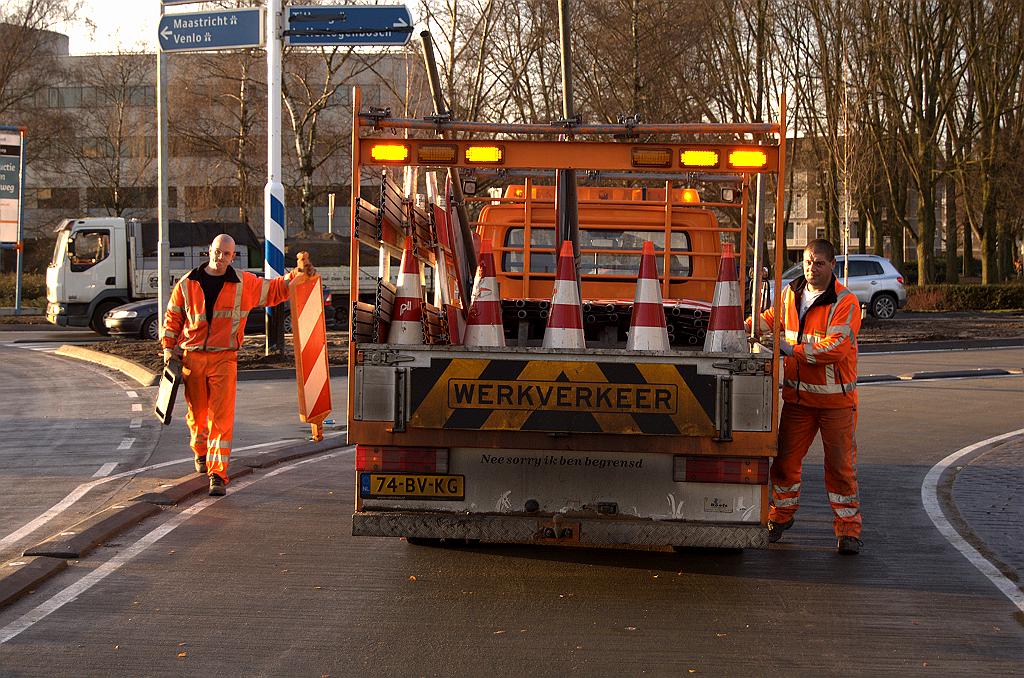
pixel 185 320
pixel 823 369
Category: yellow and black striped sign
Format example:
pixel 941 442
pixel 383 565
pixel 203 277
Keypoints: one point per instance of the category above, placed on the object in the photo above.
pixel 556 396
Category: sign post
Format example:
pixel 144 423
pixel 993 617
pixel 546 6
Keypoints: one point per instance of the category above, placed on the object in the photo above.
pixel 273 192
pixel 189 32
pixel 12 194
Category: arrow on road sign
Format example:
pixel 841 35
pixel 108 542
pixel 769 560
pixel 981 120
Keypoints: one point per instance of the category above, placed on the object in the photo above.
pixel 221 29
pixel 349 25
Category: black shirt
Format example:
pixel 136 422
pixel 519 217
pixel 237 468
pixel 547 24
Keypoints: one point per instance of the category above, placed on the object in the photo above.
pixel 212 285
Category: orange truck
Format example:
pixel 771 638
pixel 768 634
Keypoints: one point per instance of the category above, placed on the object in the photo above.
pixel 526 444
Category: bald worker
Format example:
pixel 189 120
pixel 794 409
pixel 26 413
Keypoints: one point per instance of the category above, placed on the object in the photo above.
pixel 204 325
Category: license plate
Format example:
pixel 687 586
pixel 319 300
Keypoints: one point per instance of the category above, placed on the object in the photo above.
pixel 411 486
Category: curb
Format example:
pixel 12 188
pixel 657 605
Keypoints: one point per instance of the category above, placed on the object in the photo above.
pixel 963 345
pixel 126 367
pixel 82 538
pixel 21 575
pixel 51 556
pixel 941 374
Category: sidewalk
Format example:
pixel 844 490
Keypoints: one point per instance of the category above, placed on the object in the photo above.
pixel 989 495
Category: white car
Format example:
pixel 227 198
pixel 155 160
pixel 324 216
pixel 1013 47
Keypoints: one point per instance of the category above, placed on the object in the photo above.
pixel 875 281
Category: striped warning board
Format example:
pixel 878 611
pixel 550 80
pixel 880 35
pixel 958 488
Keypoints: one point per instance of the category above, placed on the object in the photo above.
pixel 309 336
pixel 559 396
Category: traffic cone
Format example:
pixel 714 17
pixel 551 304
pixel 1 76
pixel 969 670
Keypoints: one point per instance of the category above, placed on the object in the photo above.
pixel 565 324
pixel 648 330
pixel 725 328
pixel 407 316
pixel 483 325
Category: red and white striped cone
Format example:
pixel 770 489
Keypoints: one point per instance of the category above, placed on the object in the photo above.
pixel 484 326
pixel 407 316
pixel 648 330
pixel 725 328
pixel 565 322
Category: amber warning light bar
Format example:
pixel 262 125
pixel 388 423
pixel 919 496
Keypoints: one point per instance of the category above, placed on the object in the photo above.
pixel 590 155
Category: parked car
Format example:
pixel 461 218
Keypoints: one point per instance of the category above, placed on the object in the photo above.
pixel 139 319
pixel 875 281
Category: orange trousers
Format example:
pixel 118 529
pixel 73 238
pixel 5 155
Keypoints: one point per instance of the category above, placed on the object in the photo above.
pixel 210 393
pixel 797 429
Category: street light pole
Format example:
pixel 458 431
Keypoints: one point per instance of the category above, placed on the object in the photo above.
pixel 273 193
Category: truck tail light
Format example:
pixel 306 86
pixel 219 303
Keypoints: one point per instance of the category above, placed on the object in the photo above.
pixel 401 459
pixel 720 470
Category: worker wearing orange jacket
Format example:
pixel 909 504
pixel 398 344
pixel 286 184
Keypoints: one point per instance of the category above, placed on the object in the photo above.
pixel 820 318
pixel 205 324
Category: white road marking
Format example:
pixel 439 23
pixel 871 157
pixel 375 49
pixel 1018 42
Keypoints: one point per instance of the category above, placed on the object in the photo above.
pixel 105 470
pixel 930 499
pixel 136 407
pixel 131 394
pixel 136 423
pixel 75 590
pixel 83 489
pixel 126 444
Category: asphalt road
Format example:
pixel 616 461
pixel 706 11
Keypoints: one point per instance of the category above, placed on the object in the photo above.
pixel 268 581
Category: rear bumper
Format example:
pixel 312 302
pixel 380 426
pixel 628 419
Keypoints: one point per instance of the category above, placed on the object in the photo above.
pixel 583 531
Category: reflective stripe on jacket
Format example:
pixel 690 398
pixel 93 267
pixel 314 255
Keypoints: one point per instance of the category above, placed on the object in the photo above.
pixel 185 320
pixel 823 369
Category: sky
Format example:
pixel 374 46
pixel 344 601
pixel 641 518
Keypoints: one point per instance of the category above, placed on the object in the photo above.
pixel 125 24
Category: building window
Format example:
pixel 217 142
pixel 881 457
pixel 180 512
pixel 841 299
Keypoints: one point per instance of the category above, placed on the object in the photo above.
pixel 57 198
pixel 819 206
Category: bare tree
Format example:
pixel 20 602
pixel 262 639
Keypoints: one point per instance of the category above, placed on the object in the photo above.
pixel 314 85
pixel 994 73
pixel 29 49
pixel 110 150
pixel 220 115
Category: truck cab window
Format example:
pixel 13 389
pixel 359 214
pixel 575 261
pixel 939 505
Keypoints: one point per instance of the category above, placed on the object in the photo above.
pixel 88 248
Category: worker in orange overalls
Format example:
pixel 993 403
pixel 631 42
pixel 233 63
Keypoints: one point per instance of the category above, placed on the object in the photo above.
pixel 820 318
pixel 205 324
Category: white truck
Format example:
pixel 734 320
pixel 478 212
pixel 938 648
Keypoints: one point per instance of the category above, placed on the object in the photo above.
pixel 102 262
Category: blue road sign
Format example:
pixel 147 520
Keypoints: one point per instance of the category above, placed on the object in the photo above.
pixel 349 25
pixel 11 182
pixel 221 29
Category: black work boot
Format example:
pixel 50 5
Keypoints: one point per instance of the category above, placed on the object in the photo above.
pixel 201 465
pixel 216 486
pixel 775 529
pixel 849 546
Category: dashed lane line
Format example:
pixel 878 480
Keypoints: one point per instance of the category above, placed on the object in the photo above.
pixel 105 470
pixel 104 570
pixel 930 499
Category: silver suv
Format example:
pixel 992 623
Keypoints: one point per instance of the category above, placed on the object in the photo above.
pixel 875 281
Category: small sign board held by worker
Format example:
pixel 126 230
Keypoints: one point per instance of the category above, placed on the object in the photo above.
pixel 170 380
pixel 309 339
